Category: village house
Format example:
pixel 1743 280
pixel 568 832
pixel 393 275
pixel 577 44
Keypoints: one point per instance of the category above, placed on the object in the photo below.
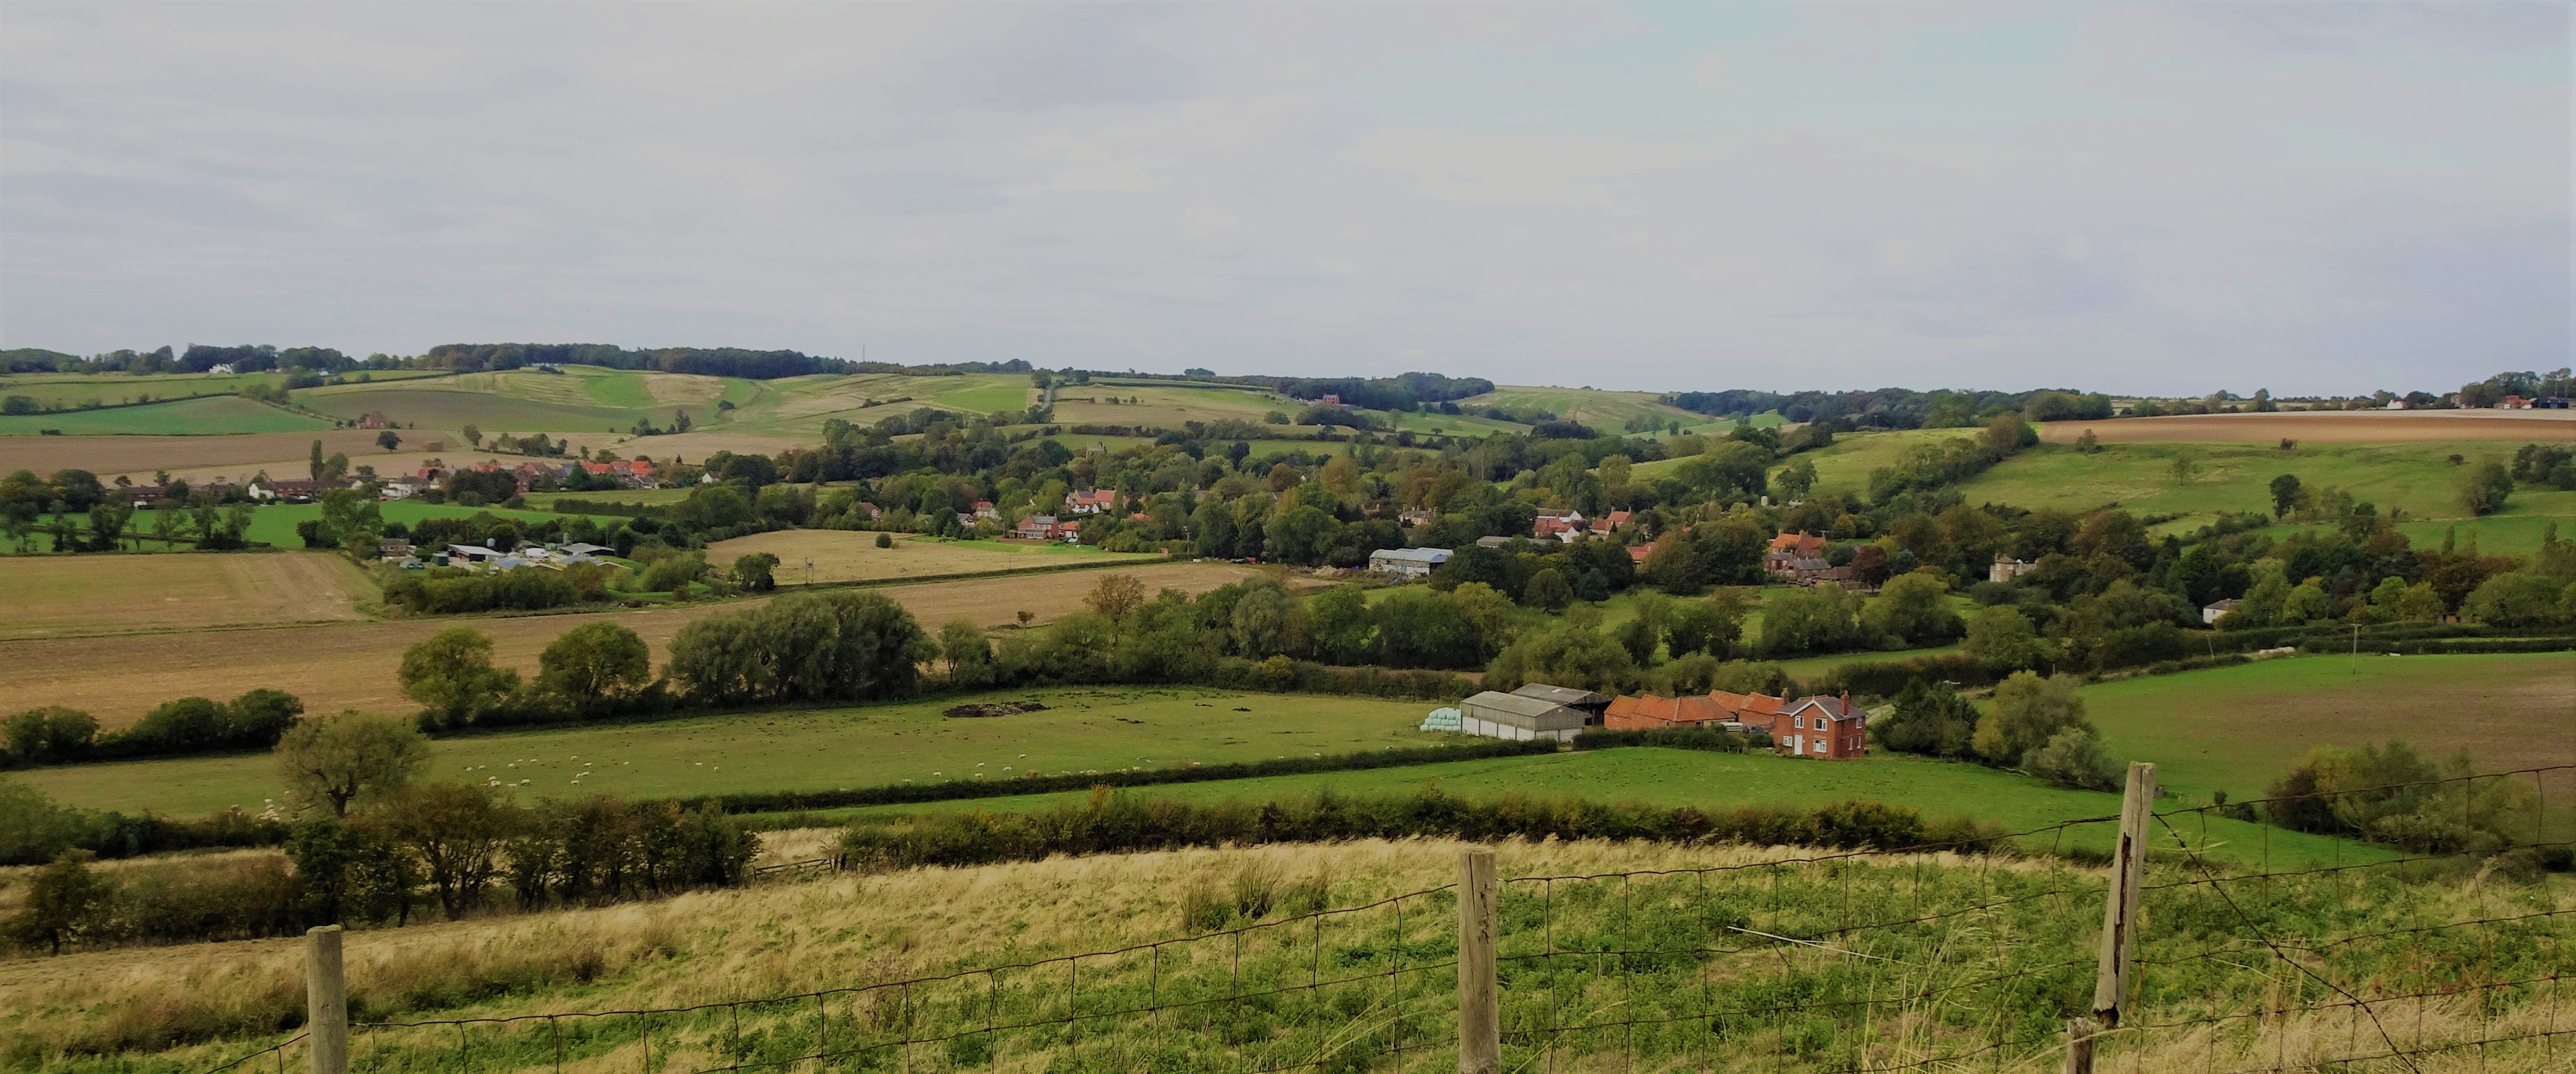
pixel 1414 516
pixel 1610 523
pixel 984 509
pixel 292 490
pixel 1408 562
pixel 2211 613
pixel 1562 525
pixel 1038 528
pixel 2006 569
pixel 1089 503
pixel 1825 728
pixel 1796 556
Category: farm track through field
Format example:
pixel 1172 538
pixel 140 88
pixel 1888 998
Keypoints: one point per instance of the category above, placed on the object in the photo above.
pixel 352 665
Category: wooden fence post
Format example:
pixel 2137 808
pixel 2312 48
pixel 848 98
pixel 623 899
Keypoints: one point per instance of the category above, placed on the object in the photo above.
pixel 326 1001
pixel 1480 1038
pixel 2119 920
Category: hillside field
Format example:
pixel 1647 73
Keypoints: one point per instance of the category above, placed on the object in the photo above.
pixel 1103 729
pixel 851 556
pixel 2325 427
pixel 68 596
pixel 219 414
pixel 2417 478
pixel 2236 729
pixel 139 456
pixel 351 665
pixel 1606 412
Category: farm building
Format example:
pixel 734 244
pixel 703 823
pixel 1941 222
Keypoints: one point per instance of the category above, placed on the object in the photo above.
pixel 1408 562
pixel 2006 569
pixel 1590 704
pixel 1718 708
pixel 2211 613
pixel 1512 716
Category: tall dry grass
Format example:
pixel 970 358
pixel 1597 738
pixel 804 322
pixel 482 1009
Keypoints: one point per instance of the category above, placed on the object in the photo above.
pixel 147 1010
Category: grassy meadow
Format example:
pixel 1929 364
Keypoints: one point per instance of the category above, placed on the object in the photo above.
pixel 1714 782
pixel 2003 950
pixel 2237 729
pixel 1604 411
pixel 1081 730
pixel 2417 478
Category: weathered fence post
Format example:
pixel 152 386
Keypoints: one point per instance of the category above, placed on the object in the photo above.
pixel 1480 1037
pixel 326 1001
pixel 2119 920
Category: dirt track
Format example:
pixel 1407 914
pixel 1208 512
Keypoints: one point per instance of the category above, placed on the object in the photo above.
pixel 351 665
pixel 2328 427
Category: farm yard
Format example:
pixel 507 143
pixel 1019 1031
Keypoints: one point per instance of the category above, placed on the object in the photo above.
pixel 852 556
pixel 76 596
pixel 821 749
pixel 351 665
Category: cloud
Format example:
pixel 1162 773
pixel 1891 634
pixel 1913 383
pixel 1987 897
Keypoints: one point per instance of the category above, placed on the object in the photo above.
pixel 1657 198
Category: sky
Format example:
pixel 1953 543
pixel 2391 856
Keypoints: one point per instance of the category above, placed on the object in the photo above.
pixel 2314 198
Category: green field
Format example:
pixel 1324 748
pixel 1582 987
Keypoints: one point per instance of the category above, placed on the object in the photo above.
pixel 2239 728
pixel 275 523
pixel 1722 781
pixel 987 398
pixel 1604 411
pixel 1844 465
pixel 2415 478
pixel 188 417
pixel 1081 730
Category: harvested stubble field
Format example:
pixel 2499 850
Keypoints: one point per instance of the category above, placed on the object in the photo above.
pixel 70 596
pixel 108 456
pixel 352 665
pixel 1079 730
pixel 2327 427
pixel 849 556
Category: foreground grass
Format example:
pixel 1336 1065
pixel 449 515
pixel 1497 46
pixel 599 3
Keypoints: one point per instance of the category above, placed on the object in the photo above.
pixel 1081 730
pixel 1904 957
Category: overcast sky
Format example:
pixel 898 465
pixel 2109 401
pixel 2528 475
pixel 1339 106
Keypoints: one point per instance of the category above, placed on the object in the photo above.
pixel 2309 197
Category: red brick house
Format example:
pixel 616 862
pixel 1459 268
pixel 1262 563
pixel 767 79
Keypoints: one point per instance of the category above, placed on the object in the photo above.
pixel 1825 728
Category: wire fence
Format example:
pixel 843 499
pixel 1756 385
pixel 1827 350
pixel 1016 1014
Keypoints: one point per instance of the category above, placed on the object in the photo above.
pixel 1928 958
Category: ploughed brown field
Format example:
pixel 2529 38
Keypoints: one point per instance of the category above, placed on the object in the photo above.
pixel 351 665
pixel 68 596
pixel 2328 427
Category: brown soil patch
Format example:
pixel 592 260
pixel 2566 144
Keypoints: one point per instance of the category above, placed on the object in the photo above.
pixel 2346 427
pixel 117 679
pixel 108 455
pixel 62 596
